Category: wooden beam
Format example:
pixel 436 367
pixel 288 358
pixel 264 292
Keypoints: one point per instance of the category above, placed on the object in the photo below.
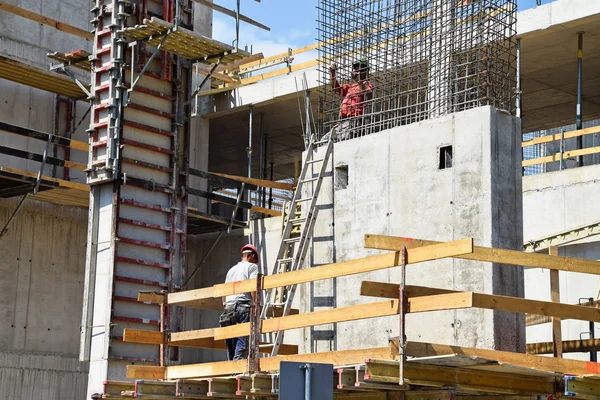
pixel 367 264
pixel 279 72
pixel 568 346
pixel 532 320
pixel 152 298
pixel 566 135
pixel 145 372
pixel 390 290
pixel 259 182
pixel 61 26
pixel 500 256
pixel 268 211
pixel 234 66
pixel 61 183
pixel 42 136
pixel 142 336
pixel 539 363
pixel 556 157
pixel 460 378
pixel 344 357
pixel 230 13
pixel 502 303
pixel 440 302
pixel 555 297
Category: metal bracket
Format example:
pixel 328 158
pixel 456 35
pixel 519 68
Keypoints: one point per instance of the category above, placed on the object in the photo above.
pixel 62 67
pixel 136 80
pixel 194 96
pixel 289 60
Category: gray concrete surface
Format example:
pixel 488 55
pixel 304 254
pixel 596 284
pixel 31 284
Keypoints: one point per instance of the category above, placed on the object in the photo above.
pixel 395 188
pixel 43 257
pixel 555 202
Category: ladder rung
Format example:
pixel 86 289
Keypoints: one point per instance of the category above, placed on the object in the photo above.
pixel 285 260
pixel 321 142
pixel 304 199
pixel 297 221
pixel 315 161
pixel 291 240
pixel 310 180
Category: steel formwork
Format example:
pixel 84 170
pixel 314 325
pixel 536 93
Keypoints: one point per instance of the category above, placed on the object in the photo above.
pixel 426 58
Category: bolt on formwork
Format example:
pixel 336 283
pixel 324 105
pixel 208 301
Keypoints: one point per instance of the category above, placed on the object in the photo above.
pixel 416 59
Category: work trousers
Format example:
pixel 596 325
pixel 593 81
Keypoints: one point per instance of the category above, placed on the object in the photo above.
pixel 237 348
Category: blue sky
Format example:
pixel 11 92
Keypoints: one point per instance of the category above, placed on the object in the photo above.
pixel 292 22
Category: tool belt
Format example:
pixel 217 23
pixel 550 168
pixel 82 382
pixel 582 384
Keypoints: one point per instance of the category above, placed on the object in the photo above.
pixel 229 316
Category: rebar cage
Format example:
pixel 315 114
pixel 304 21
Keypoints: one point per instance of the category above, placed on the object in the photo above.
pixel 424 59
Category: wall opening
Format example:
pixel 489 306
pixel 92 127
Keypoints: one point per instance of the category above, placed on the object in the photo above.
pixel 340 177
pixel 445 157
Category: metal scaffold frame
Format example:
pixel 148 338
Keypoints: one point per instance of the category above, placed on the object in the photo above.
pixel 423 59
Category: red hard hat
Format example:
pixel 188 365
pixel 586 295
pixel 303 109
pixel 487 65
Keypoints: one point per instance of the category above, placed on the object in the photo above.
pixel 250 247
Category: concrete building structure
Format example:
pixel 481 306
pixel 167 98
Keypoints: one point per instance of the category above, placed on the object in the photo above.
pixel 43 267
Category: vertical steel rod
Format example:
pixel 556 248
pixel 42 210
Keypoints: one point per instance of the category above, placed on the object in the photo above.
pixel 261 161
pixel 519 92
pixel 562 149
pixel 271 189
pixel 249 151
pixel 307 382
pixel 579 94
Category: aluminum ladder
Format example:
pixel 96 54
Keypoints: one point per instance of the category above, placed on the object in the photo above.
pixel 295 243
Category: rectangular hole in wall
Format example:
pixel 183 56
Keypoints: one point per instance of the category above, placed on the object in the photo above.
pixel 445 157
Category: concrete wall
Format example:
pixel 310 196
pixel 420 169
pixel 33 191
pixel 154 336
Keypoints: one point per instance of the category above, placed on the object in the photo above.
pixel 555 202
pixel 41 287
pixel 395 188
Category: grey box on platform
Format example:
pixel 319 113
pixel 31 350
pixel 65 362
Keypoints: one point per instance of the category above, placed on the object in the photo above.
pixel 396 186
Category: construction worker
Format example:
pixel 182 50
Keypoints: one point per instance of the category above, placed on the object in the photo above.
pixel 354 97
pixel 237 306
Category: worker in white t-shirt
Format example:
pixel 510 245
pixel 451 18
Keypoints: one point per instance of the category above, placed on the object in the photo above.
pixel 237 306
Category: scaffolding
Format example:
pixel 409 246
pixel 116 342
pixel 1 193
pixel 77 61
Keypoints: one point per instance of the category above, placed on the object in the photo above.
pixel 423 58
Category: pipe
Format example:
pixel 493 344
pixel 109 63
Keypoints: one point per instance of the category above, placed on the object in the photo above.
pixel 519 92
pixel 307 382
pixel 562 149
pixel 271 189
pixel 307 137
pixel 249 152
pixel 579 94
pixel 264 171
pixel 261 154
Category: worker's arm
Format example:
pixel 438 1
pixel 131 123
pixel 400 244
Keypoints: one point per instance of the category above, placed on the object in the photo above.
pixel 224 300
pixel 335 85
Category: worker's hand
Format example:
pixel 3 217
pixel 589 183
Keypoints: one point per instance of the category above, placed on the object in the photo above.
pixel 332 67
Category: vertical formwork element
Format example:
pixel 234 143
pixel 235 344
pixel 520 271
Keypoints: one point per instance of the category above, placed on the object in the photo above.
pixel 424 59
pixel 138 174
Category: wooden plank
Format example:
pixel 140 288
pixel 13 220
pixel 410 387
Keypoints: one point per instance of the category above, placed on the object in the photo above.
pixel 566 135
pixel 555 298
pixel 511 304
pixel 152 298
pixel 279 72
pixel 345 268
pixel 268 211
pixel 450 301
pixel 343 357
pixel 390 290
pixel 259 182
pixel 556 157
pixel 40 19
pixel 460 378
pixel 568 346
pixel 500 256
pixel 269 59
pixel 61 183
pixel 234 66
pixel 538 363
pixel 204 339
pixel 42 136
pixel 142 336
pixel 230 13
pixel 532 320
pixel 145 372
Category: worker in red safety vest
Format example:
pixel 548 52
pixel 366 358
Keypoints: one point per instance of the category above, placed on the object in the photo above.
pixel 237 306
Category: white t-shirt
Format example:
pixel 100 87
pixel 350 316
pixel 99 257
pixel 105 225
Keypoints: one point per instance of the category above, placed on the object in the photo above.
pixel 240 272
